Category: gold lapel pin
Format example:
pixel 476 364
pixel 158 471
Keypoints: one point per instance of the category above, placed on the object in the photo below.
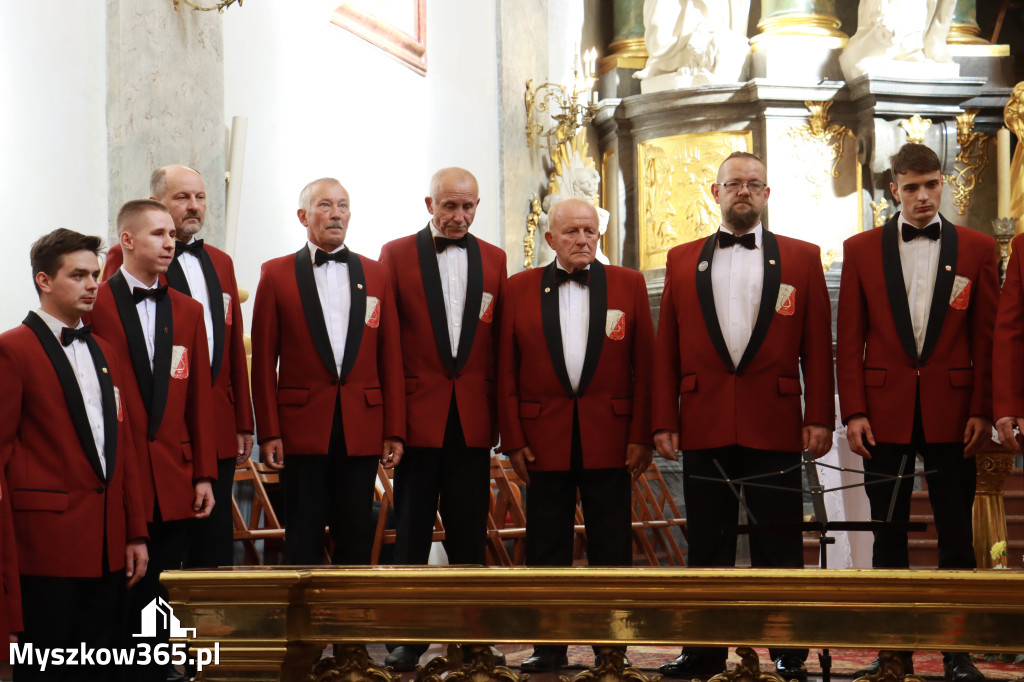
pixel 703 266
pixel 103 369
pixel 547 290
pixel 165 330
pixel 949 268
pixel 771 261
pixel 359 286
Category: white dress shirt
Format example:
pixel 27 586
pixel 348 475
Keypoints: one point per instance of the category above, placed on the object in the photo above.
pixel 193 269
pixel 453 264
pixel 332 286
pixel 737 276
pixel 88 382
pixel 920 261
pixel 147 313
pixel 574 320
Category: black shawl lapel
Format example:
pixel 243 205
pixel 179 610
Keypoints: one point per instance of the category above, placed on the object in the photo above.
pixel 163 346
pixel 896 288
pixel 109 405
pixel 770 282
pixel 216 311
pixel 69 385
pixel 474 296
pixel 129 315
pixel 431 277
pixel 314 313
pixel 945 273
pixel 356 313
pixel 706 296
pixel 176 277
pixel 552 327
pixel 598 296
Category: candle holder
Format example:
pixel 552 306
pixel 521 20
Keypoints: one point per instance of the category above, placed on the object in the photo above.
pixel 1003 230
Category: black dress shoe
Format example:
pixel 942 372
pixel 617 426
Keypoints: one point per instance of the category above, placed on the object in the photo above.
pixel 600 660
pixel 544 661
pixel 960 668
pixel 790 667
pixel 874 666
pixel 470 656
pixel 403 659
pixel 692 666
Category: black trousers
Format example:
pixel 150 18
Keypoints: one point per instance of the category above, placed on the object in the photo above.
pixel 68 613
pixel 711 505
pixel 213 541
pixel 333 490
pixel 169 542
pixel 605 495
pixel 454 479
pixel 950 491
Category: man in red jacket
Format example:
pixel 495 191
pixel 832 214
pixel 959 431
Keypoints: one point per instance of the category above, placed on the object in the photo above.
pixel 449 290
pixel 69 462
pixel 159 333
pixel 744 312
pixel 577 352
pixel 917 305
pixel 327 381
pixel 207 274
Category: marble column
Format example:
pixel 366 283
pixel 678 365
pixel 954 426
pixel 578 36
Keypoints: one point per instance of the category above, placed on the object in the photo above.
pixel 627 49
pixel 165 101
pixel 964 29
pixel 798 40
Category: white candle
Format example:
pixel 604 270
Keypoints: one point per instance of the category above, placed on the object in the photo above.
pixel 1003 171
pixel 236 161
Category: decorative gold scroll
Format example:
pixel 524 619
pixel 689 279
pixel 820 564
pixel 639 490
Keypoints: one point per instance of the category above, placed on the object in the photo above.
pixel 915 127
pixel 879 212
pixel 970 161
pixel 818 146
pixel 675 178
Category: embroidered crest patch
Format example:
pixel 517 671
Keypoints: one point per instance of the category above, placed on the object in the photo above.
pixel 372 317
pixel 227 309
pixel 117 402
pixel 785 304
pixel 179 362
pixel 487 307
pixel 961 294
pixel 615 325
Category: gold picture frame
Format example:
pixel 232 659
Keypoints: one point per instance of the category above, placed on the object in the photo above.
pixel 401 30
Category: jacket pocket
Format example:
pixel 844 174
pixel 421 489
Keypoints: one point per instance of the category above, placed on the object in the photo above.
pixel 292 396
pixel 622 407
pixel 39 500
pixel 529 410
pixel 789 386
pixel 688 383
pixel 874 376
pixel 186 450
pixel 961 377
pixel 374 397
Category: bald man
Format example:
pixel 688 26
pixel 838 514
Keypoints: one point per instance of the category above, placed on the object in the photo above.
pixel 207 274
pixel 449 289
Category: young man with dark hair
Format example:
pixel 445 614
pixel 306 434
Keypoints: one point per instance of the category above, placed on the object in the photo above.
pixel 917 305
pixel 69 460
pixel 161 333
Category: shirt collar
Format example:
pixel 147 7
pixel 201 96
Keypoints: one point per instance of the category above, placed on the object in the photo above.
pixel 559 265
pixel 55 325
pixel 313 248
pixel 756 230
pixel 900 222
pixel 134 283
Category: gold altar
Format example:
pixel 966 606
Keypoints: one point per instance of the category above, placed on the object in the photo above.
pixel 271 623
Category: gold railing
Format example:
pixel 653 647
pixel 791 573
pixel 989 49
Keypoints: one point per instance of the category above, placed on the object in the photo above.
pixel 270 624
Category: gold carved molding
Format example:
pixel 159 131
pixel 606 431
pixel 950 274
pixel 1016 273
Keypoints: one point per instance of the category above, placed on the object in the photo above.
pixel 530 240
pixel 747 670
pixel 612 669
pixel 890 669
pixel 818 146
pixel 351 663
pixel 879 212
pixel 675 178
pixel 915 127
pixel 970 161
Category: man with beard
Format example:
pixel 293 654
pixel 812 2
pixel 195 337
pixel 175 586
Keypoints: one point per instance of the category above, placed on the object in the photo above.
pixel 728 391
pixel 207 274
pixel 917 306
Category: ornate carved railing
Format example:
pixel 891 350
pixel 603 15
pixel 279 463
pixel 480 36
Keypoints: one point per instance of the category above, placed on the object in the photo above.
pixel 271 623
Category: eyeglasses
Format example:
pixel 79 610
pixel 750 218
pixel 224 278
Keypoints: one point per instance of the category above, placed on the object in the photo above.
pixel 734 186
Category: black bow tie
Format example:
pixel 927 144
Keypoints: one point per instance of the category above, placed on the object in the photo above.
pixel 727 239
pixel 931 231
pixel 68 335
pixel 581 277
pixel 321 256
pixel 140 294
pixel 195 248
pixel 442 243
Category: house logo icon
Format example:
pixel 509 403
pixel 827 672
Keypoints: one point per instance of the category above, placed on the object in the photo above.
pixel 158 616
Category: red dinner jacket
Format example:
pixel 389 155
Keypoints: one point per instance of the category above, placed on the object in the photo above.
pixel 295 379
pixel 1008 345
pixel 232 404
pixel 431 373
pixel 614 394
pixel 173 432
pixel 877 364
pixel 67 511
pixel 10 599
pixel 755 404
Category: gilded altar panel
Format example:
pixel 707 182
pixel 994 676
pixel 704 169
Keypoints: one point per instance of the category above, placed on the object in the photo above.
pixel 675 178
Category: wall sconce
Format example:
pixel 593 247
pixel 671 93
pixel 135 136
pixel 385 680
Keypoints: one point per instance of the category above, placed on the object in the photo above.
pixel 568 110
pixel 219 6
